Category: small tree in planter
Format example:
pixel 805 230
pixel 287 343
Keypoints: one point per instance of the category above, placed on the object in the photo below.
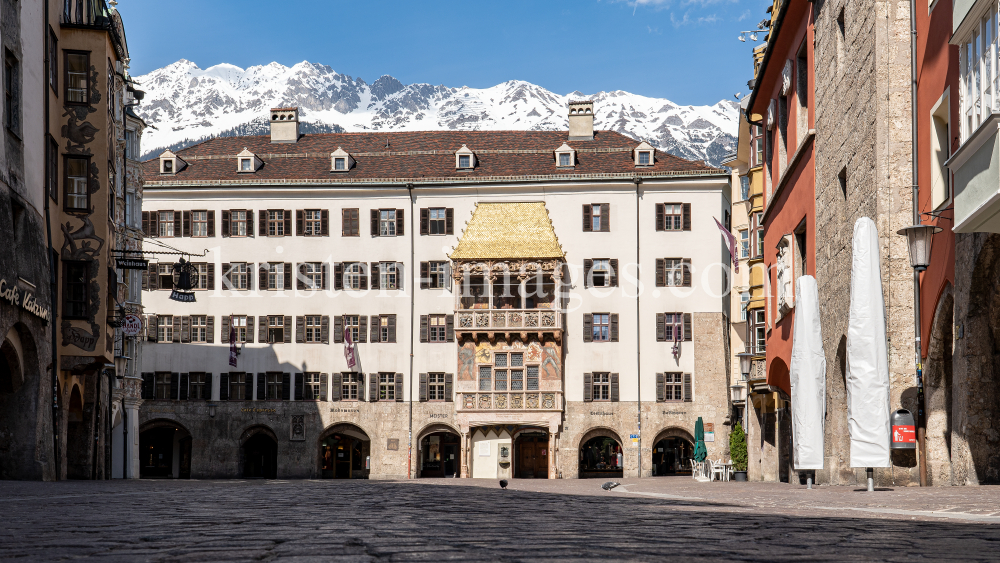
pixel 738 451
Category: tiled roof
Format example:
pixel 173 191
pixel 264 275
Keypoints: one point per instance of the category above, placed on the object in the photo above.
pixel 508 230
pixel 417 157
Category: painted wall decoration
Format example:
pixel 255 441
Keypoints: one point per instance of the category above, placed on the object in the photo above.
pixel 551 366
pixel 78 132
pixel 79 244
pixel 467 362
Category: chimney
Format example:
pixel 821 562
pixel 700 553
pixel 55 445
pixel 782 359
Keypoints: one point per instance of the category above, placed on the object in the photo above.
pixel 284 125
pixel 581 120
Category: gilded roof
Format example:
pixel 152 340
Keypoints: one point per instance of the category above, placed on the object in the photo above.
pixel 508 231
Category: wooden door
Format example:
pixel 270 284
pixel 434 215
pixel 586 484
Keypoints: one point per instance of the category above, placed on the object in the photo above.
pixel 533 458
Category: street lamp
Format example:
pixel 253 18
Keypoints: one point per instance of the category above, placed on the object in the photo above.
pixel 918 239
pixel 745 361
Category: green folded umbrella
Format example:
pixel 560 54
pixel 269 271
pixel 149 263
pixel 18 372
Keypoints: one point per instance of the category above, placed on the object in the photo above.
pixel 700 451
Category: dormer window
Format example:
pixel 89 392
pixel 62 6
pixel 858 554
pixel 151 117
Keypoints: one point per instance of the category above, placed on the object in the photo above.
pixel 168 166
pixel 465 159
pixel 644 154
pixel 643 158
pixel 340 161
pixel 565 156
pixel 340 164
pixel 246 165
pixel 564 159
pixel 247 162
pixel 170 163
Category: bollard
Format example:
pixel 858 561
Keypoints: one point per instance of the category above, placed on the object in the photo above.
pixel 871 480
pixel 809 482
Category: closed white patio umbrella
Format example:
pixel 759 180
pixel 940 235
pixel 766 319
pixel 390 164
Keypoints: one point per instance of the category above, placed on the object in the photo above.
pixel 807 374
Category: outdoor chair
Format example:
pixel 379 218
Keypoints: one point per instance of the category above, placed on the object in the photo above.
pixel 717 469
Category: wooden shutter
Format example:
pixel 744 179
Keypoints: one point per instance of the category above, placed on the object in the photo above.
pixel 224 335
pixel 177 223
pixel 614 271
pixel 373 387
pixel 261 386
pixel 300 329
pixel 399 388
pixel 375 276
pixel 210 283
pixel 224 386
pixel 424 334
pixel 178 325
pixel 425 219
pixel 322 386
pixel 338 329
pixel 661 272
pixel 153 279
pixel 364 276
pixel 425 272
pixel 210 330
pixel 688 395
pixel 363 329
pixel 660 212
pixel 148 379
pixel 300 384
pixel 249 222
pixel 375 336
pixel 361 385
pixel 287 214
pixel 300 278
pixel 660 392
pixel 661 327
pixel 250 330
pixel 448 384
pixel 374 224
pixel 687 327
pixel 686 210
pixel 588 223
pixel 183 391
pixel 152 327
pixel 288 330
pixel 614 387
pixel 338 275
pixel 449 328
pixel 400 223
pixel 324 331
pixel 423 387
pixel 175 385
pixel 211 222
pixel 227 281
pixel 187 223
pixel 286 386
pixel 226 229
pixel 262 276
pixel 288 275
pixel 300 223
pixel 262 326
pixel 588 327
pixel 145 223
pixel 588 265
pixel 449 221
pixel 324 281
pixel 262 228
pixel 588 387
pixel 335 389
pixel 614 327
pixel 324 223
pixel 154 223
pixel 686 272
pixel 605 217
pixel 392 328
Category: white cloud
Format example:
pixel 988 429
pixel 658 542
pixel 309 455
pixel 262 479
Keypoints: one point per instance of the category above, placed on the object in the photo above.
pixel 744 15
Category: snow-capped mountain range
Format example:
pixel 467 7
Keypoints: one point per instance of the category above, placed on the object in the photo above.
pixel 186 104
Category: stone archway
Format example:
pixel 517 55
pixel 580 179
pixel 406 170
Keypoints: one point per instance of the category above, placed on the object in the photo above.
pixel 77 450
pixel 258 453
pixel 602 454
pixel 25 397
pixel 344 452
pixel 673 449
pixel 438 451
pixel 938 390
pixel 164 450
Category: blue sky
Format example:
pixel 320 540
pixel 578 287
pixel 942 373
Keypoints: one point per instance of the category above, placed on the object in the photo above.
pixel 683 50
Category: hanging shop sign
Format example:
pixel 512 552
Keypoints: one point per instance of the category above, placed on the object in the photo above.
pixel 132 325
pixel 132 263
pixel 182 296
pixel 23 299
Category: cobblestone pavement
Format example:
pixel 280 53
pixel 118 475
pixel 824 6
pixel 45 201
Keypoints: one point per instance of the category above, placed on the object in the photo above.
pixel 465 519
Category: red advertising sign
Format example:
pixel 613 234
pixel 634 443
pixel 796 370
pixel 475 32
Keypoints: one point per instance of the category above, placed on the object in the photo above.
pixel 904 434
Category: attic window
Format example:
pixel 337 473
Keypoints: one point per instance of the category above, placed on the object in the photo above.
pixel 340 163
pixel 564 159
pixel 464 161
pixel 644 158
pixel 246 165
pixel 168 166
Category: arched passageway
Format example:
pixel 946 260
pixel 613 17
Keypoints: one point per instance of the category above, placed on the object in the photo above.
pixel 601 455
pixel 344 453
pixel 259 454
pixel 77 450
pixel 440 453
pixel 164 450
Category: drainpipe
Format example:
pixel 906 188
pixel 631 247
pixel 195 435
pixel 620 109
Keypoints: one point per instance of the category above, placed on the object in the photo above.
pixel 413 296
pixel 638 323
pixel 921 418
pixel 53 291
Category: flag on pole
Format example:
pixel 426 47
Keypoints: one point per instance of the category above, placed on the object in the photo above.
pixel 730 244
pixel 350 350
pixel 233 350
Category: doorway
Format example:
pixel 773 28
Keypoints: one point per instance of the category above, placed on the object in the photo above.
pixel 532 456
pixel 260 457
pixel 78 459
pixel 601 457
pixel 439 455
pixel 156 457
pixel 344 455
pixel 671 456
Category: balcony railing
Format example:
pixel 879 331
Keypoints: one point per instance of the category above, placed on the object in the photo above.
pixel 508 319
pixel 529 400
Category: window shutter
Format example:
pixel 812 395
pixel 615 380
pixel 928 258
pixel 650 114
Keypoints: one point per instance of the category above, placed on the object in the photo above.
pixel 335 389
pixel 392 328
pixel 588 327
pixel 361 386
pixel 364 276
pixel 375 336
pixel 300 383
pixel 249 222
pixel 210 283
pixel 614 272
pixel 300 329
pixel 661 327
pixel 424 336
pixel 300 277
pixel 145 223
pixel 588 265
pixel 400 276
pixel 400 223
pixel 262 277
pixel 224 335
pixel 288 330
pixel 338 275
pixel 661 274
pixel 261 386
pixel 338 329
pixel 425 272
pixel 262 333
pixel 262 228
pixel 183 391
pixel 147 385
pixel 660 212
pixel 250 330
pixel 375 276
pixel 588 223
pixel 363 329
pixel 373 387
pixel 686 272
pixel 178 325
pixel 449 221
pixel 686 210
pixel 224 386
pixel 423 387
pixel 211 223
pixel 605 217
pixel 425 219
pixel 286 386
pixel 300 223
pixel 324 281
pixel 614 327
pixel 177 224
pixel 374 222
pixel 449 328
pixel 399 388
pixel 324 223
pixel 660 392
pixel 226 229
pixel 154 223
pixel 588 387
pixel 324 331
pixel 322 386
pixel 687 327
pixel 688 395
pixel 175 385
pixel 210 330
pixel 227 281
pixel 153 279
pixel 614 387
pixel 448 392
pixel 288 275
pixel 288 222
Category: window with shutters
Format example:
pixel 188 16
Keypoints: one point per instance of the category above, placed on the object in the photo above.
pixel 275 223
pixel 77 196
pixel 238 223
pixel 596 219
pixel 312 274
pixel 75 293
pixel 197 389
pixel 673 217
pixel 313 326
pixel 436 272
pixel 162 390
pixel 164 328
pixel 673 327
pixel 273 385
pixel 602 327
pixel 276 276
pixel 386 386
pixel 350 385
pixel 239 276
pixel 166 223
pixel 353 273
pixel 165 275
pixel 312 385
pixel 199 328
pixel 602 386
pixel 199 223
pixel 199 277
pixel 436 221
pixel 388 278
pixel 238 386
pixel 239 324
pixel 436 328
pixel 435 387
pixel 387 223
pixel 275 329
pixel 601 273
pixel 385 329
pixel 351 223
pixel 676 272
pixel 673 386
pixel 313 222
pixel 352 324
